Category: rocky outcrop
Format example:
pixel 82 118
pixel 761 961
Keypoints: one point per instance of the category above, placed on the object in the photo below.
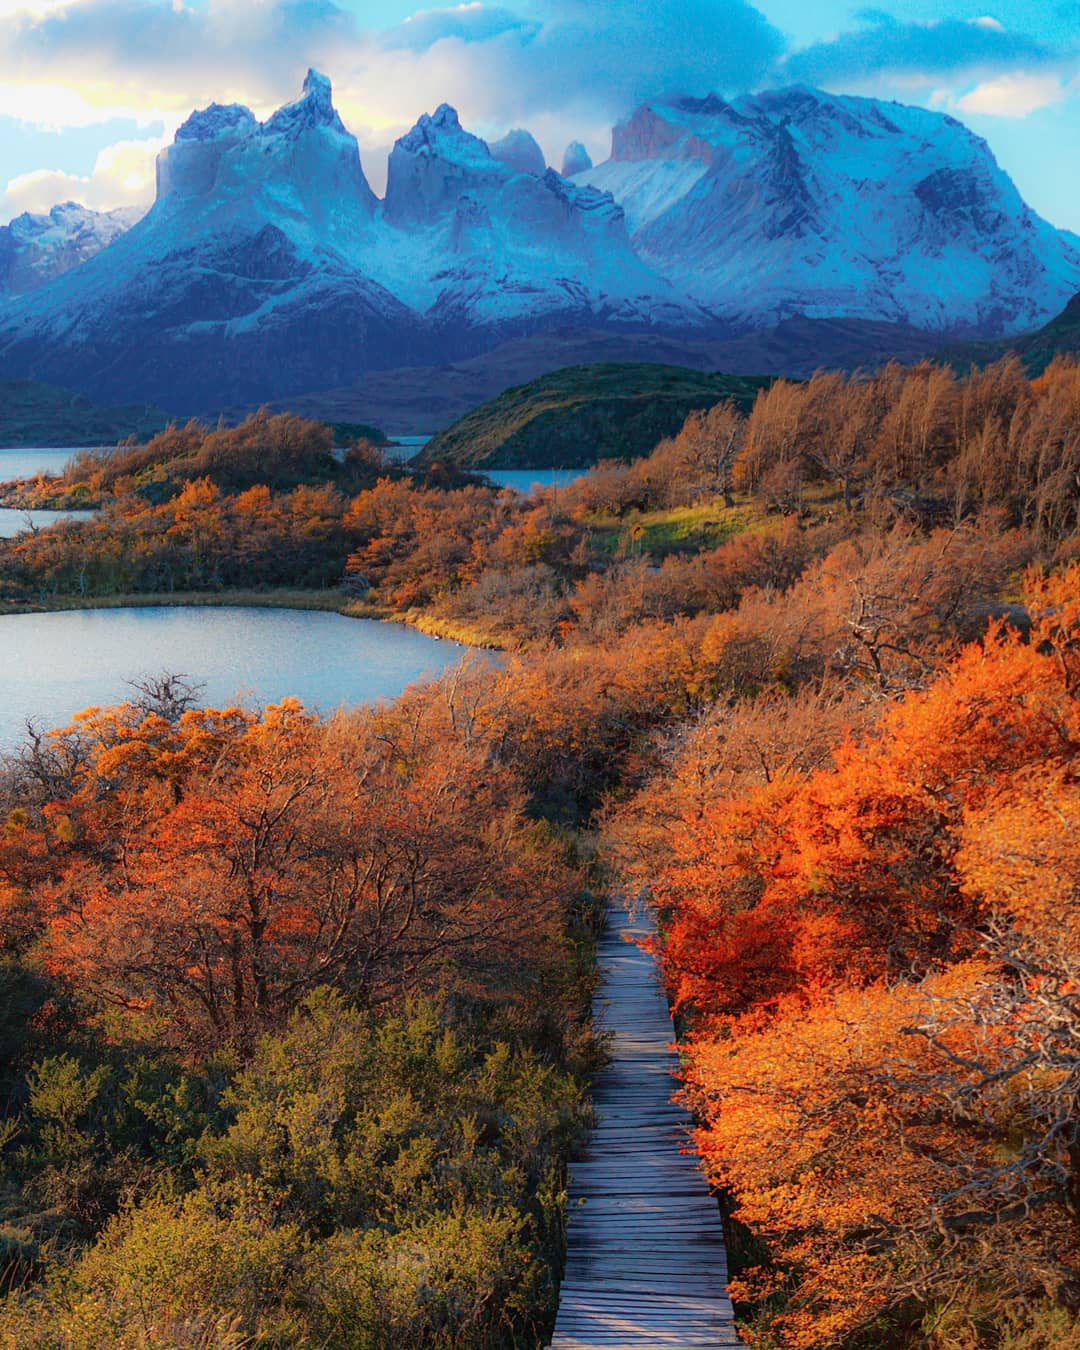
pixel 438 169
pixel 434 165
pixel 189 167
pixel 222 152
pixel 668 132
pixel 512 248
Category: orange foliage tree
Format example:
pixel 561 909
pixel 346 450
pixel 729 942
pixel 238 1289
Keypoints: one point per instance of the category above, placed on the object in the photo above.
pixel 878 958
pixel 200 875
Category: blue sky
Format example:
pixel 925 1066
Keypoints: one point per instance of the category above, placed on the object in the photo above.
pixel 90 89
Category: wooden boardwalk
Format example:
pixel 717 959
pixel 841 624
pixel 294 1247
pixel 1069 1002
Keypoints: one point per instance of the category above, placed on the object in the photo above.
pixel 645 1261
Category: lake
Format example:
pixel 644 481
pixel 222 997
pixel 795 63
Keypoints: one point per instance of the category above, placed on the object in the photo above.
pixel 405 447
pixel 525 481
pixel 528 480
pixel 15 522
pixel 54 665
pixel 27 463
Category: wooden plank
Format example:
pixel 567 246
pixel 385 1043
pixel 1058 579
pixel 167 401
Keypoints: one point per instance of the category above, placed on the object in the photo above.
pixel 645 1263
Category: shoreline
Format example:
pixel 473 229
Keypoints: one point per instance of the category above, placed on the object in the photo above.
pixel 327 602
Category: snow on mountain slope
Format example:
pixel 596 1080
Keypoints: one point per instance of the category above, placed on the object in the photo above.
pixel 238 283
pixel 476 242
pixel 300 169
pixel 267 266
pixel 36 248
pixel 796 201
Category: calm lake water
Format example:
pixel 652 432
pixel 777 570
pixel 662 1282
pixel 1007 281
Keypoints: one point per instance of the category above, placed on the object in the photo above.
pixel 521 480
pixel 528 480
pixel 15 522
pixel 54 665
pixel 26 463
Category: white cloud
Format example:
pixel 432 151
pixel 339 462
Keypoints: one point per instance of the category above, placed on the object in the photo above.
pixel 123 175
pixel 1016 95
pixel 52 105
pixel 32 7
pixel 566 69
pixel 153 57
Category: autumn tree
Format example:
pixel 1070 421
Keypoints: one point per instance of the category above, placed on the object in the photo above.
pixel 205 874
pixel 877 958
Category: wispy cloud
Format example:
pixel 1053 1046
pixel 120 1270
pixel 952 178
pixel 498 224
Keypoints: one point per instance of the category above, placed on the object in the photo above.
pixel 1015 95
pixel 565 68
pixel 123 175
pixel 468 23
pixel 884 45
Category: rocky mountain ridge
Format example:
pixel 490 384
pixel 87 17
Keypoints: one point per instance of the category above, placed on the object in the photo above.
pixel 36 248
pixel 795 202
pixel 268 267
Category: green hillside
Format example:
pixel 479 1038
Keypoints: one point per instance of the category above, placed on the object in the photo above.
pixel 44 414
pixel 576 416
pixel 1060 337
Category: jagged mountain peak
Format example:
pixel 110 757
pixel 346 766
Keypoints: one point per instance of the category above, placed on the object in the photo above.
pixel 441 134
pixel 317 86
pixel 445 117
pixel 314 108
pixel 712 105
pixel 500 215
pixel 71 219
pixel 219 119
pixel 224 156
pixel 433 165
pixel 37 248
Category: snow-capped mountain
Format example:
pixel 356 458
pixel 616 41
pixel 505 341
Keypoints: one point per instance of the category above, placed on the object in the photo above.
pixel 237 283
pixel 36 248
pixel 799 202
pixel 267 266
pixel 472 241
